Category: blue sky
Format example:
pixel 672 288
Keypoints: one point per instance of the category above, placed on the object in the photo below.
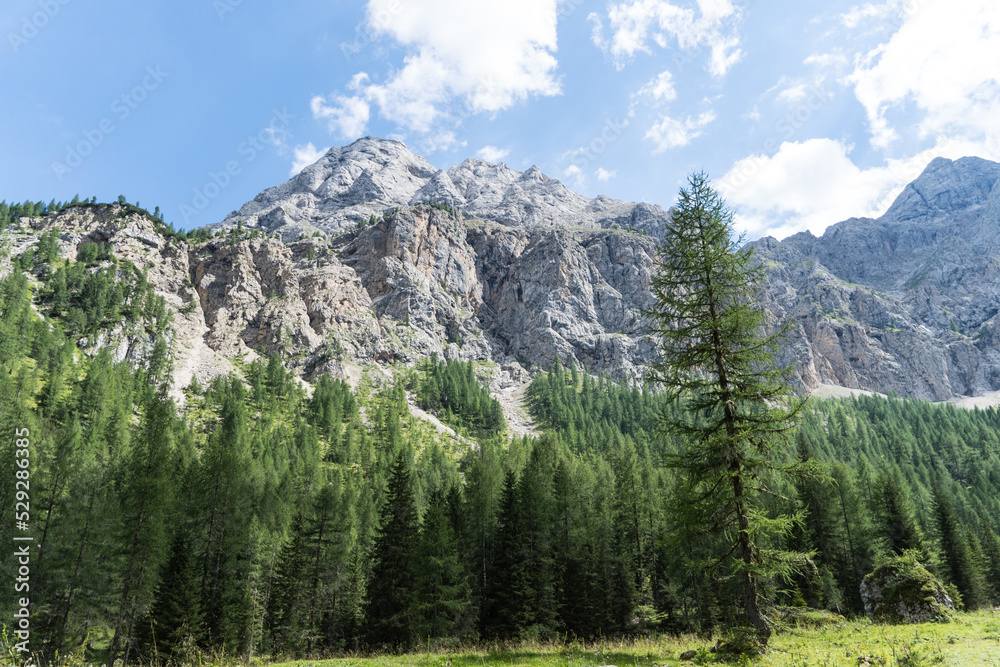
pixel 803 113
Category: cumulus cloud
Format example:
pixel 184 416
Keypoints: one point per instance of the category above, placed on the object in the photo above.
pixel 346 117
pixel 928 89
pixel 305 156
pixel 636 25
pixel 481 56
pixel 605 175
pixel 940 60
pixel 670 132
pixel 575 174
pixel 492 153
pixel 659 89
pixel 812 184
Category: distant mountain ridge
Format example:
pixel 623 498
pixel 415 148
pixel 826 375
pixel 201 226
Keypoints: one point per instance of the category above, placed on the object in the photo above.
pixel 384 259
pixel 906 302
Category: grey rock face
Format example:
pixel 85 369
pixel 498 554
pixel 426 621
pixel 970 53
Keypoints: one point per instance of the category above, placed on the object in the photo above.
pixel 350 184
pixel 523 272
pixel 526 269
pixel 905 303
pixel 547 293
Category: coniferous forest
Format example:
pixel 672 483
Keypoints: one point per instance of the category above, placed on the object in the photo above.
pixel 262 519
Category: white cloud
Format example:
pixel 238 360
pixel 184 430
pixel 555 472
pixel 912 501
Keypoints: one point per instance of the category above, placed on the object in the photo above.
pixel 346 117
pixel 305 156
pixel 824 60
pixel 812 184
pixel 860 13
pixel 660 89
pixel 605 175
pixel 575 174
pixel 942 59
pixel 492 153
pixel 485 55
pixel 634 24
pixel 670 133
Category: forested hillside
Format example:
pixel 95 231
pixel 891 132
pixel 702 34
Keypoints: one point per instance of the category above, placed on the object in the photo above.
pixel 265 520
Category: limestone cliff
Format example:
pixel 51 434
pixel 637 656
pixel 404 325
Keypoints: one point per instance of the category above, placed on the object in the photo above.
pixel 905 303
pixel 372 256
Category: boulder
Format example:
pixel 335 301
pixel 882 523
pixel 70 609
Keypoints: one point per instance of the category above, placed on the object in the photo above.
pixel 902 591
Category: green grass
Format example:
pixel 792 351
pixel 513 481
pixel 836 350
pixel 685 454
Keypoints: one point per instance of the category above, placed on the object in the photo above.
pixel 971 639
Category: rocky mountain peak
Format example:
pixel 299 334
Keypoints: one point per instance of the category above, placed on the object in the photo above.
pixel 907 302
pixel 946 186
pixel 350 184
pixel 526 269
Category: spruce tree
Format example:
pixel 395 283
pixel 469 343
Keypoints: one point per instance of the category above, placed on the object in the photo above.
pixel 961 569
pixel 174 618
pixel 391 590
pixel 897 527
pixel 504 610
pixel 718 363
pixel 147 499
pixel 443 595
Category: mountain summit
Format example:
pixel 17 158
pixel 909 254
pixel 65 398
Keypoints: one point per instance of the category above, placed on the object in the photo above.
pixel 372 257
pixel 350 184
pixel 907 302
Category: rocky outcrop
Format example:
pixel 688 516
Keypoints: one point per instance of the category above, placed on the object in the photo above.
pixel 422 280
pixel 906 303
pixel 372 255
pixel 903 591
pixel 547 293
pixel 434 280
pixel 350 184
pixel 137 238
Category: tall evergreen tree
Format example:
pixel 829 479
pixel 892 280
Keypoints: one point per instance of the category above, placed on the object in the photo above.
pixel 443 597
pixel 174 618
pixel 717 361
pixel 504 607
pixel 897 527
pixel 147 499
pixel 960 567
pixel 391 591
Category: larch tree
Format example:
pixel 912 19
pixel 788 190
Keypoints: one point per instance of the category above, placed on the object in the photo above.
pixel 718 363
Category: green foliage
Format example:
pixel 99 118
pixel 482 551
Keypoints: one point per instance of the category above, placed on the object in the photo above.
pixel 265 521
pixel 450 389
pixel 99 292
pixel 391 606
pixel 719 365
pixel 590 413
pixel 442 596
pixel 447 208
